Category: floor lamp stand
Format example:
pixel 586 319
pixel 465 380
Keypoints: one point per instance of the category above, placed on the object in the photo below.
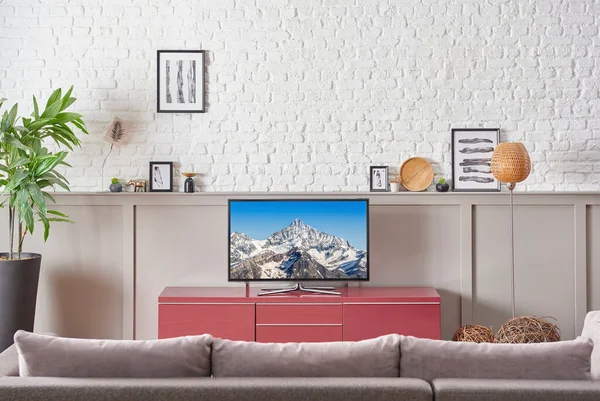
pixel 511 187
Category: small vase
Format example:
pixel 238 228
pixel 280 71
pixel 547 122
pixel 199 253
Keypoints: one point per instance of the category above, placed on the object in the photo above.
pixel 394 187
pixel 189 185
pixel 115 187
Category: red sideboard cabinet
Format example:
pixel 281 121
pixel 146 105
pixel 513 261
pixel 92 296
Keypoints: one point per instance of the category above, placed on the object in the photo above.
pixel 240 314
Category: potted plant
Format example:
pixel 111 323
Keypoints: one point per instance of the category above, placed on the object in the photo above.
pixel 27 170
pixel 115 186
pixel 442 185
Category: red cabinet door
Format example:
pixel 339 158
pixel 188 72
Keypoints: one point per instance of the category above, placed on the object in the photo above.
pixel 230 321
pixel 369 320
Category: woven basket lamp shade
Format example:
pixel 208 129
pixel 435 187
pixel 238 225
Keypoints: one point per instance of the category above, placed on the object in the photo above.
pixel 510 162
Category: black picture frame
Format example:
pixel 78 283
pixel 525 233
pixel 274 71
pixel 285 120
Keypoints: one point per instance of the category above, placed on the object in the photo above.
pixel 198 77
pixel 385 180
pixel 152 187
pixel 481 167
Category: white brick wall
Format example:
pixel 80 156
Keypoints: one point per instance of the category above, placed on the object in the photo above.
pixel 306 94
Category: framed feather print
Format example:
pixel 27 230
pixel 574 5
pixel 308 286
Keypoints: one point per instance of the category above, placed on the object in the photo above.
pixel 472 150
pixel 180 81
pixel 161 177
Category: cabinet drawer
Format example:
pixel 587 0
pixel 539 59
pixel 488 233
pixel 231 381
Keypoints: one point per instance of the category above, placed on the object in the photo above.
pixel 230 321
pixel 299 314
pixel 362 321
pixel 298 334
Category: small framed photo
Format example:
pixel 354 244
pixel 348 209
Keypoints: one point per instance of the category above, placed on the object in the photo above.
pixel 180 81
pixel 379 179
pixel 472 150
pixel 161 177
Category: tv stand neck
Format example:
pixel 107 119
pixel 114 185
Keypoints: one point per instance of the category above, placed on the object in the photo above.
pixel 299 287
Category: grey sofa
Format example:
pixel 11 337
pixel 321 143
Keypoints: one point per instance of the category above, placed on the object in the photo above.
pixel 13 387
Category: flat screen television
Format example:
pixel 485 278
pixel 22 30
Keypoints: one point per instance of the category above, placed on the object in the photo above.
pixel 298 240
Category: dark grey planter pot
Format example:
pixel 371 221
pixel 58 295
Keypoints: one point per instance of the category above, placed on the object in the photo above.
pixel 18 293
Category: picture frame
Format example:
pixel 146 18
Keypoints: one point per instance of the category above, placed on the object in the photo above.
pixel 379 181
pixel 161 177
pixel 180 81
pixel 472 150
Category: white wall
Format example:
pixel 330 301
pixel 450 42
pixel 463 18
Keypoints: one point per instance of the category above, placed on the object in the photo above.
pixel 305 94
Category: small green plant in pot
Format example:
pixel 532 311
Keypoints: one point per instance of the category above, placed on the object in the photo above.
pixel 27 170
pixel 115 185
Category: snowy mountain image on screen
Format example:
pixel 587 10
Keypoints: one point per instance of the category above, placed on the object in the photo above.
pixel 298 251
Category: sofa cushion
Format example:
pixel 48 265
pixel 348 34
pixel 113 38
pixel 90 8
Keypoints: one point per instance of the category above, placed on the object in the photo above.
pixel 591 329
pixel 378 357
pixel 9 362
pixel 514 390
pixel 42 355
pixel 432 359
pixel 212 389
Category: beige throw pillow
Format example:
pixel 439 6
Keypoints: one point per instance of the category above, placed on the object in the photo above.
pixel 378 357
pixel 48 356
pixel 591 329
pixel 432 359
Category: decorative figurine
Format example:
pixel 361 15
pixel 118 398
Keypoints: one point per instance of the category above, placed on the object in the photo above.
pixel 141 184
pixel 115 186
pixel 189 186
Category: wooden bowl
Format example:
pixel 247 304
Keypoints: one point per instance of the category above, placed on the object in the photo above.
pixel 416 174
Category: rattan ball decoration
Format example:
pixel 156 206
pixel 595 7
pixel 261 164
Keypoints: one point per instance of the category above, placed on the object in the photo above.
pixel 510 162
pixel 474 333
pixel 527 329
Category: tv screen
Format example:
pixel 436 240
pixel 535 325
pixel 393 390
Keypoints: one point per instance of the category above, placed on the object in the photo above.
pixel 298 240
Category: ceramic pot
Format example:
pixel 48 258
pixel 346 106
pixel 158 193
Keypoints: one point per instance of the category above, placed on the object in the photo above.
pixel 394 187
pixel 115 187
pixel 18 294
pixel 442 187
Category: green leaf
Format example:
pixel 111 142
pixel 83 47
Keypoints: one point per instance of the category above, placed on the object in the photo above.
pixel 47 195
pixel 2 100
pixel 52 110
pixel 57 213
pixel 69 102
pixel 67 117
pixel 54 97
pixel 12 116
pixel 59 219
pixel 46 223
pixel 66 98
pixel 38 197
pixel 19 162
pixel 29 221
pixel 14 182
pixel 36 109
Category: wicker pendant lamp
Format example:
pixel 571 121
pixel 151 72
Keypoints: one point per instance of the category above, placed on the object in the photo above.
pixel 510 165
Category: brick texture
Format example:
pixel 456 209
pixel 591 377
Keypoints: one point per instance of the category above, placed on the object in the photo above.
pixel 304 95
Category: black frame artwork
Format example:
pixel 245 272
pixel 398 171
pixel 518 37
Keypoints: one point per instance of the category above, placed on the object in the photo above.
pixel 474 142
pixel 190 101
pixel 385 180
pixel 151 186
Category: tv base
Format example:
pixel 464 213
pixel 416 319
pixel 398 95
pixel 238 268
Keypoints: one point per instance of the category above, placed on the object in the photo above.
pixel 299 287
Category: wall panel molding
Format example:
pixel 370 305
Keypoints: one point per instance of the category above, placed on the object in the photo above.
pixel 461 245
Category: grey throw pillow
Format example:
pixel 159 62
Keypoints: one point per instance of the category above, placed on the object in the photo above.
pixel 378 357
pixel 591 329
pixel 42 355
pixel 433 359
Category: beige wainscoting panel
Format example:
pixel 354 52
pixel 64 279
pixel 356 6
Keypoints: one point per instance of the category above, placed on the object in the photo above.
pixel 593 254
pixel 544 267
pixel 176 246
pixel 419 246
pixel 80 290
